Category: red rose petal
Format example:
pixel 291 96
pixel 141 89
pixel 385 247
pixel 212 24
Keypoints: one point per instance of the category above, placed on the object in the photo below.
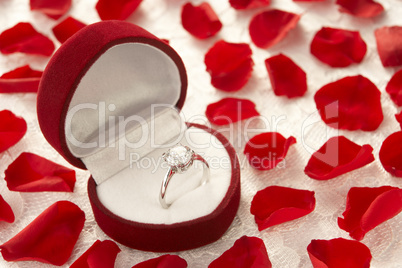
pixel 338 252
pixel 50 238
pixel 367 207
pixel 116 9
pixel 163 261
pixel 338 47
pixel 6 213
pixel 67 28
pixel 350 103
pixel 22 72
pixel 275 205
pixel 389 45
pixel 230 110
pixel 269 27
pixel 394 88
pixel 248 4
pixel 12 129
pixel 229 64
pixel 336 157
pixel 399 118
pixel 391 154
pixel 247 252
pixel 266 150
pixel 287 78
pixel 20 80
pixel 100 254
pixel 25 39
pixel 201 21
pixel 360 8
pixel 32 173
pixel 52 8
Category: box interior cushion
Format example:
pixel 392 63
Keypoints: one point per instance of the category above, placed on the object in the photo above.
pixel 133 193
pixel 124 81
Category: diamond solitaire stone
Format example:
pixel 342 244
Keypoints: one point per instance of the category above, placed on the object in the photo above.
pixel 179 157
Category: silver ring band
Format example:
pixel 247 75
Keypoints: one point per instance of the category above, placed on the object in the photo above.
pixel 180 158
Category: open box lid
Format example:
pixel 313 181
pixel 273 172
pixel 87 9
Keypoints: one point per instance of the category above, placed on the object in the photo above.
pixel 153 73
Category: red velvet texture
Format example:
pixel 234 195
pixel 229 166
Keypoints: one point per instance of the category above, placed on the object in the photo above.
pixel 178 236
pixel 70 63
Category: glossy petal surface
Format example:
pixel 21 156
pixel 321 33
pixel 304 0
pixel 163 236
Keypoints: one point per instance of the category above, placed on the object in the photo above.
pixel 230 110
pixel 116 9
pixel 247 252
pixel 229 65
pixel 275 205
pixel 201 21
pixel 25 39
pixel 338 252
pixel 338 156
pixel 32 173
pixel 266 150
pixel 351 103
pixel 389 45
pixel 338 47
pixel 67 28
pixel 270 27
pixel 391 154
pixel 102 254
pixel 366 208
pixel 50 238
pixel 12 129
pixel 20 80
pixel 287 78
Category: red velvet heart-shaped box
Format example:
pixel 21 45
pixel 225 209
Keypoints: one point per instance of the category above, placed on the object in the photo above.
pixel 109 101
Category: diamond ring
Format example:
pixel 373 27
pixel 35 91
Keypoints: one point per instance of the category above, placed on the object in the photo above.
pixel 180 158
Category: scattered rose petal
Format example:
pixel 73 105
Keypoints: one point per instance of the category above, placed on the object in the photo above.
pixel 287 78
pixel 360 8
pixel 336 157
pixel 25 39
pixel 50 238
pixel 6 213
pixel 12 129
pixel 391 154
pixel 350 103
pixel 338 252
pixel 338 47
pixel 229 64
pixel 275 205
pixel 248 4
pixel 116 9
pixel 20 80
pixel 163 261
pixel 52 8
pixel 389 45
pixel 266 150
pixel 309 0
pixel 269 27
pixel 399 118
pixel 32 173
pixel 67 28
pixel 394 88
pixel 247 252
pixel 100 254
pixel 367 207
pixel 201 21
pixel 230 110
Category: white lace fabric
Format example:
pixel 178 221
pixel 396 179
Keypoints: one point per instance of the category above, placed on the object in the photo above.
pixel 286 243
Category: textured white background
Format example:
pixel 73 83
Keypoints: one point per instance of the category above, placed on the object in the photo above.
pixel 286 243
